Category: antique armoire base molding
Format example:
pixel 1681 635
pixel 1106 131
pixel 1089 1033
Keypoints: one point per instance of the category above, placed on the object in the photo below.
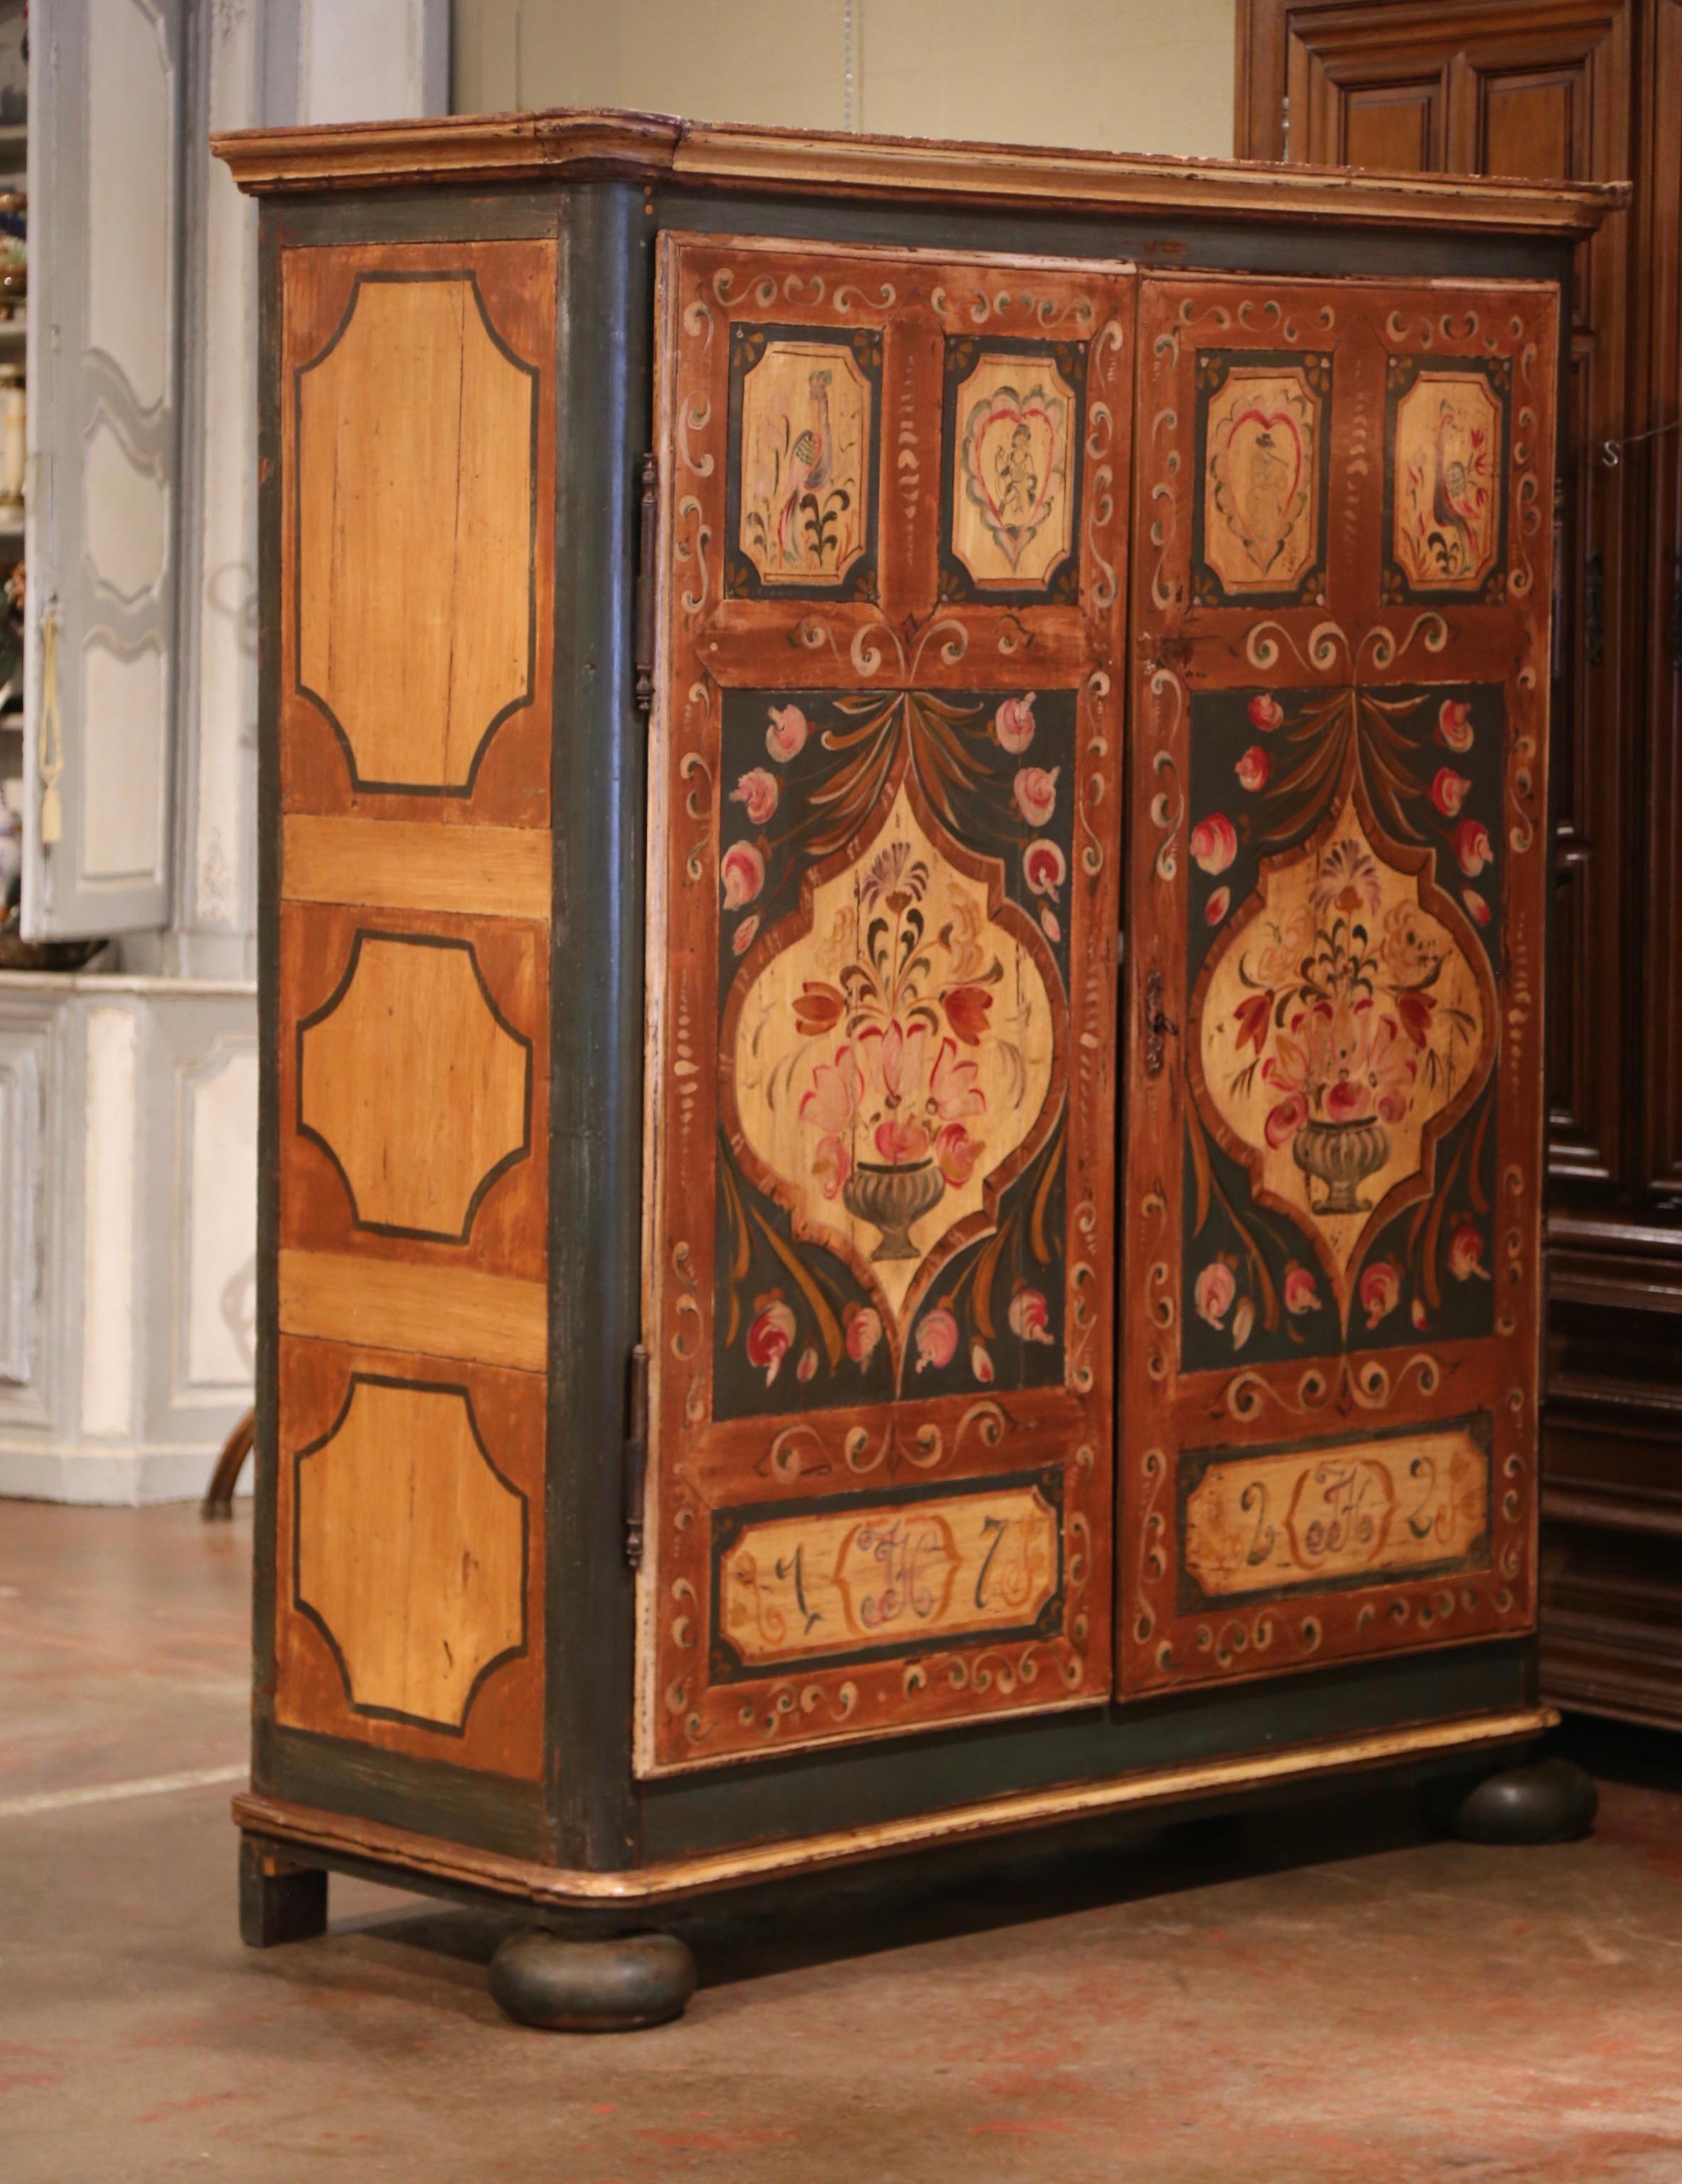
pixel 274 1820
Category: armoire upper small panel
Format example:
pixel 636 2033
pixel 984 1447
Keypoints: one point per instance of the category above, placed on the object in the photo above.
pixel 417 439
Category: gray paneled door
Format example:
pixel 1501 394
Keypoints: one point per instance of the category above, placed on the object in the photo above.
pixel 106 100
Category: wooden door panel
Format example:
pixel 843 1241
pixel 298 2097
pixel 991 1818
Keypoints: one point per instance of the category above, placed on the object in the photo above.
pixel 884 804
pixel 1337 892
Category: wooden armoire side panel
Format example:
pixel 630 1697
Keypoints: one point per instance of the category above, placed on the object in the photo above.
pixel 1338 889
pixel 417 404
pixel 884 809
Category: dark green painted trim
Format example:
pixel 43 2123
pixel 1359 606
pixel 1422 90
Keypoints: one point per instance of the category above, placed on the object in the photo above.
pixel 492 1812
pixel 597 1002
pixel 761 1800
pixel 265 1451
pixel 513 213
pixel 1300 248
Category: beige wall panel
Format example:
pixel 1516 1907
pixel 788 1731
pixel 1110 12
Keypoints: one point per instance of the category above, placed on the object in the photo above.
pixel 1113 75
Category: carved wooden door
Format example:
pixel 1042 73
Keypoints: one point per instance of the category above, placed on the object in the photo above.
pixel 1338 869
pixel 885 812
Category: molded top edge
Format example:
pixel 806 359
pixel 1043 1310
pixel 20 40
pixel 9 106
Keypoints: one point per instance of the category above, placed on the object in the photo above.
pixel 602 143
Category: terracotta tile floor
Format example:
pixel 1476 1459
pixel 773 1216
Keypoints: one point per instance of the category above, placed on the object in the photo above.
pixel 1322 1995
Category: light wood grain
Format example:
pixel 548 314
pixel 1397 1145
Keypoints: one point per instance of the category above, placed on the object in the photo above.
pixel 393 1305
pixel 414 1086
pixel 411 1551
pixel 415 454
pixel 410 864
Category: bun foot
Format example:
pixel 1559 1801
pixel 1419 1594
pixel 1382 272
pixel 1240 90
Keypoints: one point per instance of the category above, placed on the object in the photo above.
pixel 1553 1800
pixel 542 1979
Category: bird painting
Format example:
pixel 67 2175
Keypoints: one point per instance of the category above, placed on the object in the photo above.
pixel 1458 497
pixel 808 462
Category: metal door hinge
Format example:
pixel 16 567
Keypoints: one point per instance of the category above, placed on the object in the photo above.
pixel 647 526
pixel 1159 1025
pixel 636 1457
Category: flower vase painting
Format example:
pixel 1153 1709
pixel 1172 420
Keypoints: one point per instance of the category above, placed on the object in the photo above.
pixel 1342 1018
pixel 1343 1010
pixel 892 1041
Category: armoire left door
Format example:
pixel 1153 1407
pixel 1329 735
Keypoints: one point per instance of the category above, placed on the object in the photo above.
pixel 884 802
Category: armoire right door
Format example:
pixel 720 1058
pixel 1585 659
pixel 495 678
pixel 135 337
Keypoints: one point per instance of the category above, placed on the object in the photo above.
pixel 1342 519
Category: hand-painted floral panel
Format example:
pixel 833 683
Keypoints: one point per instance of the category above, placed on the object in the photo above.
pixel 882 966
pixel 1337 897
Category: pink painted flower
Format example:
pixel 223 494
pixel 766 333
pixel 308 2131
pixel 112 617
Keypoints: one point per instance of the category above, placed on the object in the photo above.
pixel 1214 843
pixel 1351 1063
pixel 1418 1314
pixel 769 1337
pixel 743 871
pixel 864 1332
pixel 786 736
pixel 1218 904
pixel 1454 724
pixel 1214 1292
pixel 1030 1315
pixel 1466 1254
pixel 1301 1294
pixel 1013 723
pixel 955 1153
pixel 1044 867
pixel 955 1086
pixel 1050 926
pixel 899 1058
pixel 937 1339
pixel 1475 904
pixel 831 1107
pixel 758 790
pixel 902 1140
pixel 967 1008
pixel 1253 768
pixel 1380 1291
pixel 808 1365
pixel 742 938
pixel 1472 847
pixel 1036 793
pixel 1448 790
pixel 1266 713
pixel 980 1363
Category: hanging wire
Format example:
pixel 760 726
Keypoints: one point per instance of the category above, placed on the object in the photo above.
pixel 847 65
pixel 1612 451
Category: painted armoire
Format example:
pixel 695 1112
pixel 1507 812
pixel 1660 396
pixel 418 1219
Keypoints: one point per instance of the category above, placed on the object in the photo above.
pixel 904 796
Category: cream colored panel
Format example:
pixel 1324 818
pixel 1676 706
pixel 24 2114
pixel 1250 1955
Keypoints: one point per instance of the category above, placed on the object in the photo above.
pixel 217 1127
pixel 131 194
pixel 126 749
pixel 125 516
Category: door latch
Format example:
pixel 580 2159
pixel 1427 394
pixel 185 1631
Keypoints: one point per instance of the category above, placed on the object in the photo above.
pixel 642 665
pixel 636 1457
pixel 1159 1025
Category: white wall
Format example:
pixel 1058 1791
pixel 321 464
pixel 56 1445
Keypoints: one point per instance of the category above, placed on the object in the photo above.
pixel 1137 76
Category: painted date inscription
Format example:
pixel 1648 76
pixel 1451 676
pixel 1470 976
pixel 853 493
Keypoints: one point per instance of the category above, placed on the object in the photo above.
pixel 1273 1523
pixel 881 1576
